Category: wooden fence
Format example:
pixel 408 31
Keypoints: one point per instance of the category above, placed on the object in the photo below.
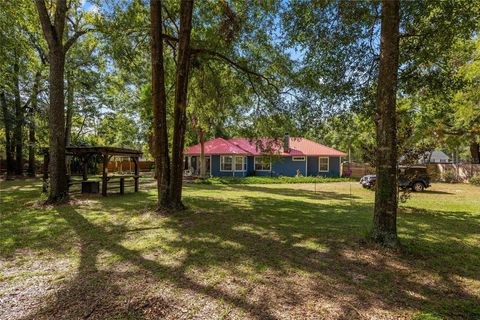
pixel 357 170
pixel 448 172
pixel 127 166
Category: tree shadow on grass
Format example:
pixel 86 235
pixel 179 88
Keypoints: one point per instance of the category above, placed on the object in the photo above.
pixel 273 189
pixel 437 192
pixel 95 289
pixel 284 237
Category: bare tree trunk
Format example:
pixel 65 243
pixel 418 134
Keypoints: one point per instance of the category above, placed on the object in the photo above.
pixel 385 214
pixel 68 121
pixel 181 89
pixel 69 116
pixel 31 149
pixel 31 126
pixel 19 120
pixel 53 34
pixel 56 119
pixel 7 120
pixel 203 168
pixel 475 151
pixel 159 107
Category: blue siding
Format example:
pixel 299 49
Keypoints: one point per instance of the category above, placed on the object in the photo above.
pixel 216 169
pixel 285 166
pixel 333 167
pixel 312 166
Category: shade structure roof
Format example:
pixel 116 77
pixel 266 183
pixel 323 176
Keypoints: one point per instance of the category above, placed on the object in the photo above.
pixel 264 146
pixel 101 150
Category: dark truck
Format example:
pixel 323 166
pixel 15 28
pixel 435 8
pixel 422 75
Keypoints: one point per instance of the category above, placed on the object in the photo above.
pixel 413 177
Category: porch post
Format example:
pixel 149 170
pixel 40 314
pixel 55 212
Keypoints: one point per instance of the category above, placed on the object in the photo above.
pixel 135 161
pixel 85 168
pixel 106 158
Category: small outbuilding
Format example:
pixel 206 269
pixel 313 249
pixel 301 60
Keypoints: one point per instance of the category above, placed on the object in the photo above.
pixel 105 153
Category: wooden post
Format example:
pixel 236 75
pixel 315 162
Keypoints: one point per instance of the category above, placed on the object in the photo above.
pixel 106 158
pixel 135 162
pixel 46 160
pixel 122 185
pixel 85 168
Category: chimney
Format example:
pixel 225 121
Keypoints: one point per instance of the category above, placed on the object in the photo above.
pixel 286 143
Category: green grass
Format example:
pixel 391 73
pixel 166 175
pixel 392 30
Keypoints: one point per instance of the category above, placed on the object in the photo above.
pixel 240 251
pixel 269 180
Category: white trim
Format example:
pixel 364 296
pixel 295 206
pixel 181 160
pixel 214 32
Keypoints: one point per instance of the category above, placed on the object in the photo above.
pixel 328 164
pixel 244 161
pixel 226 155
pixel 255 164
pixel 303 158
pixel 233 163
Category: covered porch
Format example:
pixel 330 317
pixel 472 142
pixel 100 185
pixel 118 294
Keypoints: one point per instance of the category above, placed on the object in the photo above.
pixel 192 166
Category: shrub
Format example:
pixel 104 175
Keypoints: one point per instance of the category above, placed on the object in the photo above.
pixel 475 179
pixel 268 180
pixel 450 176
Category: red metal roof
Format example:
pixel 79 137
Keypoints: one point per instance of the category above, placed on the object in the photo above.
pixel 242 146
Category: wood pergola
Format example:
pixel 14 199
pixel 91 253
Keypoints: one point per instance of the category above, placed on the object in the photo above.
pixel 84 153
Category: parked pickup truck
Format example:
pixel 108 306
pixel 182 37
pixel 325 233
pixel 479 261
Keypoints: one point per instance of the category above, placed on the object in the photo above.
pixel 413 177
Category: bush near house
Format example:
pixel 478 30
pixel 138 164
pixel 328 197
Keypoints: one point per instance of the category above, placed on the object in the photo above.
pixel 270 180
pixel 475 180
pixel 450 176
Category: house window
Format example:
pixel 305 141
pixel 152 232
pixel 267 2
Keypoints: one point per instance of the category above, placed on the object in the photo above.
pixel 298 158
pixel 226 163
pixel 240 163
pixel 262 164
pixel 323 164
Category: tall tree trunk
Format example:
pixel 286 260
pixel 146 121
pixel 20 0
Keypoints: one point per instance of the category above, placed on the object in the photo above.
pixel 53 34
pixel 69 116
pixel 7 120
pixel 181 90
pixel 31 171
pixel 56 119
pixel 475 151
pixel 201 138
pixel 19 120
pixel 31 126
pixel 68 121
pixel 385 214
pixel 159 107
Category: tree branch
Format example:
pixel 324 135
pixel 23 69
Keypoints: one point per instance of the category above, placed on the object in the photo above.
pixel 59 19
pixel 170 17
pixel 74 38
pixel 171 39
pixel 234 64
pixel 48 29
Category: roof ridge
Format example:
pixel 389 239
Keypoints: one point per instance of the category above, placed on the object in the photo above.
pixel 237 146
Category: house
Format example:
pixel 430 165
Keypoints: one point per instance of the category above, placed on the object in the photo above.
pixel 240 157
pixel 435 157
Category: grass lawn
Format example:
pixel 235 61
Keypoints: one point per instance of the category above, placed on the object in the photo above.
pixel 276 251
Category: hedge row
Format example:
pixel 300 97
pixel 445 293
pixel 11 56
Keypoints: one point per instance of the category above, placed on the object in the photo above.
pixel 268 180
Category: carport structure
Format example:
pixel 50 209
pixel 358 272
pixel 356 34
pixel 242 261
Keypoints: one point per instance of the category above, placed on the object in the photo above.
pixel 105 153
